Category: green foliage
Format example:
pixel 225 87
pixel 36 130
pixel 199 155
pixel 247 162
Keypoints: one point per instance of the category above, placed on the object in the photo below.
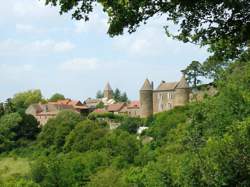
pixel 56 97
pixel 99 94
pixel 100 105
pixel 130 124
pixel 7 134
pixel 55 131
pixel 193 72
pixel 21 101
pixel 85 136
pixel 120 97
pixel 107 178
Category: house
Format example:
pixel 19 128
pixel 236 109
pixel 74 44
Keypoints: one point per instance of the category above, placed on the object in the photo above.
pixel 116 108
pixel 44 112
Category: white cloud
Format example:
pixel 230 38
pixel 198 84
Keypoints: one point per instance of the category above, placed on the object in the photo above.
pixel 24 28
pixel 38 47
pixel 80 64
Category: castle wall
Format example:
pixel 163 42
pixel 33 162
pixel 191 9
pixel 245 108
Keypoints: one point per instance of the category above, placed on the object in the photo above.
pixel 163 100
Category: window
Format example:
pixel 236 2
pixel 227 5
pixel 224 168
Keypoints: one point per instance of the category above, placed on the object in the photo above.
pixel 169 105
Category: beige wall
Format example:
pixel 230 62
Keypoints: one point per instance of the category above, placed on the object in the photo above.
pixel 163 100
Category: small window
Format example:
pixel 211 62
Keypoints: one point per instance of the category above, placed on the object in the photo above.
pixel 169 105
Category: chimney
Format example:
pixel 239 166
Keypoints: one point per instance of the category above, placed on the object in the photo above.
pixel 152 85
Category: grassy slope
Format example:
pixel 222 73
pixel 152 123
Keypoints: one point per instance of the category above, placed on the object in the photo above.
pixel 10 167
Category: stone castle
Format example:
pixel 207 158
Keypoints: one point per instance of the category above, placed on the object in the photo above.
pixel 165 97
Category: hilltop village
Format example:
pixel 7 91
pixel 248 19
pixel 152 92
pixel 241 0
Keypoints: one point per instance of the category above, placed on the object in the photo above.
pixel 165 97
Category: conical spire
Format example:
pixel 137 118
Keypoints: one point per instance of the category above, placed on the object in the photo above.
pixel 183 83
pixel 108 87
pixel 147 85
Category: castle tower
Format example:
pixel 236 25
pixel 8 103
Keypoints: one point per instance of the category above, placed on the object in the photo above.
pixel 182 92
pixel 108 92
pixel 146 99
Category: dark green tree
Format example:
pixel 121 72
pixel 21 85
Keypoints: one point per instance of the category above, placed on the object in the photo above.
pixel 117 95
pixel 193 72
pixel 99 94
pixel 124 97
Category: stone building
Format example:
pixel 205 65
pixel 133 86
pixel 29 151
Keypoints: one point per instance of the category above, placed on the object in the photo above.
pixel 165 97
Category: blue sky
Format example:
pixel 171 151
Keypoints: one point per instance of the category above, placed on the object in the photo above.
pixel 40 49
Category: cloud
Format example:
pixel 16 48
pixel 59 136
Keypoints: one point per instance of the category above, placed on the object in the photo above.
pixel 80 64
pixel 38 47
pixel 24 28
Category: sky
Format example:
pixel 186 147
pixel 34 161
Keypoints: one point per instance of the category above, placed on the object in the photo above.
pixel 41 49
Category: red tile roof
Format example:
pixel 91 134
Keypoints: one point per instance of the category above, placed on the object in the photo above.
pixel 134 104
pixel 116 107
pixel 99 110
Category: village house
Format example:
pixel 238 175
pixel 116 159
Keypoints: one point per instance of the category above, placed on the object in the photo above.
pixel 43 112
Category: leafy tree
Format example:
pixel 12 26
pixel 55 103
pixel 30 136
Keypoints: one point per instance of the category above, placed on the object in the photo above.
pixel 7 134
pixel 100 105
pixel 1 109
pixel 130 124
pixel 22 100
pixel 28 128
pixel 85 136
pixel 56 97
pixel 193 72
pixel 9 106
pixel 54 133
pixel 99 94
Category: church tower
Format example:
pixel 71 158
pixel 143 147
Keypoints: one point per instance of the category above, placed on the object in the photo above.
pixel 146 99
pixel 182 92
pixel 108 92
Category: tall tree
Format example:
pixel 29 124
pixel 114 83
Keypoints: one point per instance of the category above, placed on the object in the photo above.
pixel 117 95
pixel 193 72
pixel 99 94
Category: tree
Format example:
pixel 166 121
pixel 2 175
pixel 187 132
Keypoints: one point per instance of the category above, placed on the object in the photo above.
pixel 56 97
pixel 99 94
pixel 7 134
pixel 193 72
pixel 100 105
pixel 9 106
pixel 117 95
pixel 22 100
pixel 223 25
pixel 124 97
pixel 54 133
pixel 1 109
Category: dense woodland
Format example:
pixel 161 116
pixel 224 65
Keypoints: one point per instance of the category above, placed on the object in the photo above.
pixel 205 143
